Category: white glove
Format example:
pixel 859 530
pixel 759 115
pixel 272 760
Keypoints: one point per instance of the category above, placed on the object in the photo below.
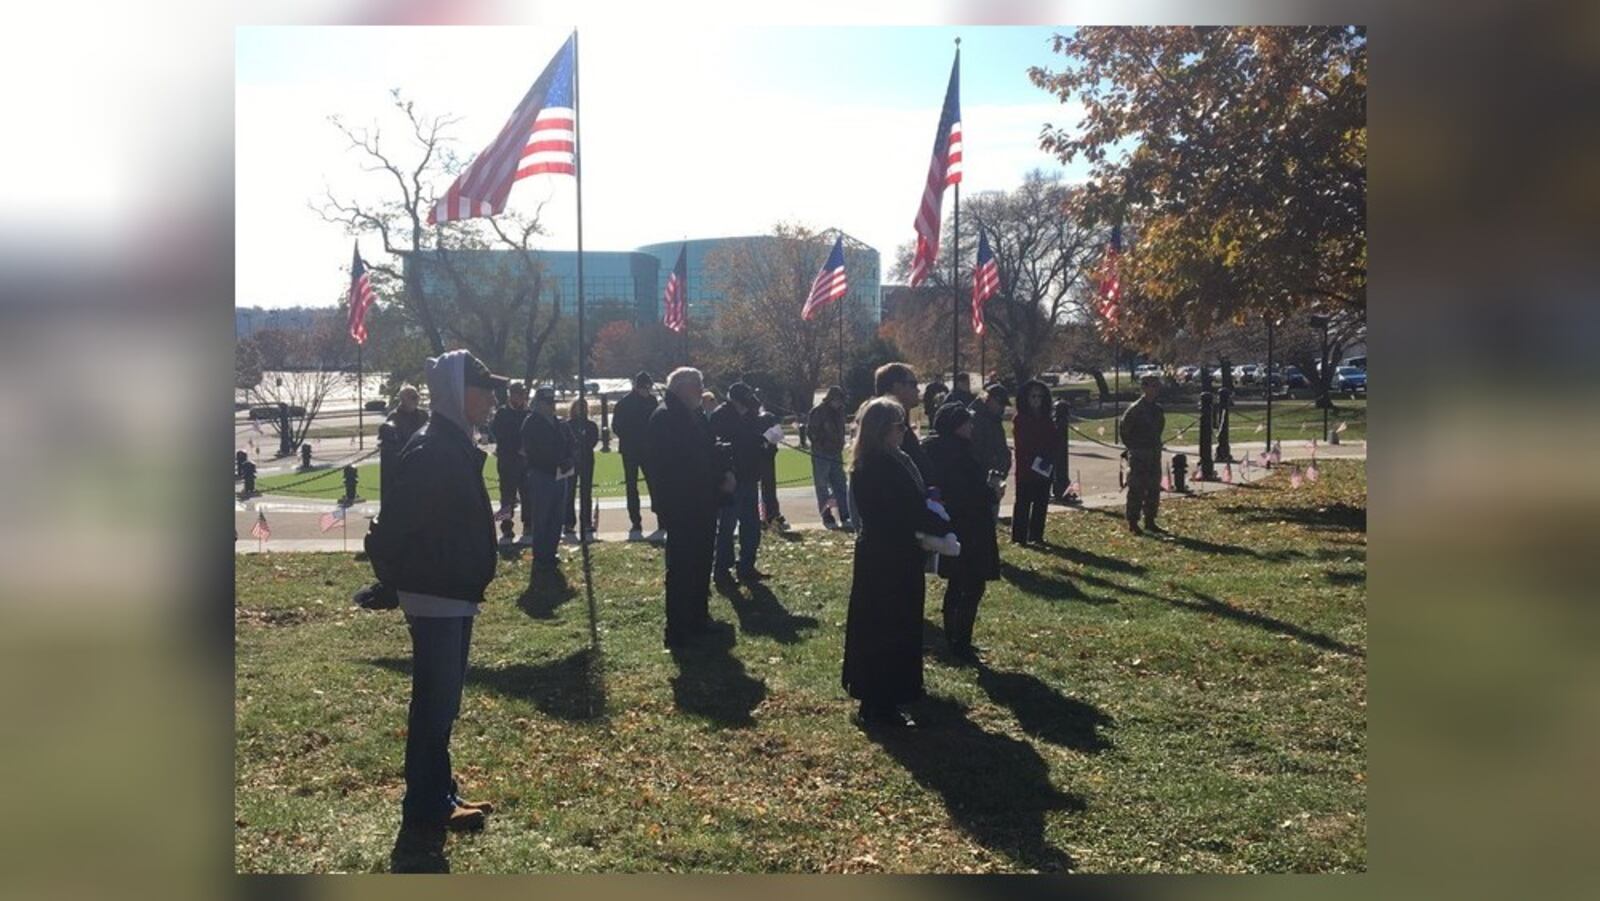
pixel 945 545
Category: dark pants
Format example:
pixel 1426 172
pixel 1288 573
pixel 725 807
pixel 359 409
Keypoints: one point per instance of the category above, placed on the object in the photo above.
pixel 512 490
pixel 1144 487
pixel 689 544
pixel 580 488
pixel 438 669
pixel 961 596
pixel 769 489
pixel 631 469
pixel 744 514
pixel 1027 514
pixel 1061 479
pixel 545 494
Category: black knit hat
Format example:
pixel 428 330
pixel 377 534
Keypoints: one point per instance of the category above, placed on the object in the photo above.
pixel 950 417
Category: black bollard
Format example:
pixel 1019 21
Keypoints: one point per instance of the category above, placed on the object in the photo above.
pixel 239 460
pixel 605 425
pixel 351 477
pixel 1224 405
pixel 248 473
pixel 1208 472
pixel 803 444
pixel 305 455
pixel 1180 473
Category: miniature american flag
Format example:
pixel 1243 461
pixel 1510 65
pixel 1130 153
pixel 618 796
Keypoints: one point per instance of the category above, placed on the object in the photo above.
pixel 261 531
pixel 330 519
pixel 1294 478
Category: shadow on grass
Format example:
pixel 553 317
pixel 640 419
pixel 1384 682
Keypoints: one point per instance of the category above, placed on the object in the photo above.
pixel 1205 603
pixel 1043 585
pixel 1336 517
pixel 1346 578
pixel 567 688
pixel 547 590
pixel 712 683
pixel 1089 558
pixel 761 613
pixel 996 788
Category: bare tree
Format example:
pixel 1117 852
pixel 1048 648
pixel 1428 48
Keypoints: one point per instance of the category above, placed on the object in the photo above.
pixel 456 289
pixel 302 392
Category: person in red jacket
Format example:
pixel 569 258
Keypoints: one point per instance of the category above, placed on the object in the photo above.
pixel 1037 443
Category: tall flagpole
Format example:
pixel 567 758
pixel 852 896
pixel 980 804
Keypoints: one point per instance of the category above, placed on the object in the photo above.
pixel 955 259
pixel 361 437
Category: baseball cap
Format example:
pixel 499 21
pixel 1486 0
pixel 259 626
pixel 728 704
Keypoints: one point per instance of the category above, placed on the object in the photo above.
pixel 477 375
pixel 999 392
pixel 545 393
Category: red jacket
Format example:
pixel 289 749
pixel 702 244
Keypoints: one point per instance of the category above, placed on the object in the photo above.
pixel 1034 436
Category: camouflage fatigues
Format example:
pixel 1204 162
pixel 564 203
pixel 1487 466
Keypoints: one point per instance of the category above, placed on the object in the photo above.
pixel 1142 427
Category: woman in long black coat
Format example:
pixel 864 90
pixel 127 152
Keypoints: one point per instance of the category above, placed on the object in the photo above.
pixel 883 631
pixel 968 499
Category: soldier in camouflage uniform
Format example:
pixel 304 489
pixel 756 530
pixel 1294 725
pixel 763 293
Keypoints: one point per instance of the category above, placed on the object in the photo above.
pixel 1142 427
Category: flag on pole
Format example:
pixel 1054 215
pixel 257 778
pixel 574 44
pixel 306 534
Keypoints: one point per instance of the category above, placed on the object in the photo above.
pixel 540 137
pixel 943 170
pixel 331 518
pixel 1294 477
pixel 1311 472
pixel 1111 278
pixel 675 306
pixel 831 283
pixel 261 531
pixel 360 297
pixel 985 280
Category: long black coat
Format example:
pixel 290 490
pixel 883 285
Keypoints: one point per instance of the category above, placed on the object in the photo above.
pixel 686 465
pixel 964 488
pixel 883 630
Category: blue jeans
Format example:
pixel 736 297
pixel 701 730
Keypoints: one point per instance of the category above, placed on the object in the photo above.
pixel 827 474
pixel 745 512
pixel 438 670
pixel 546 499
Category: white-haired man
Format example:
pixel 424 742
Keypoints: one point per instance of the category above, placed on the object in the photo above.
pixel 690 474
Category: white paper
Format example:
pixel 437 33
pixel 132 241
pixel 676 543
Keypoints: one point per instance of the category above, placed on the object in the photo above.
pixel 1042 468
pixel 774 435
pixel 564 472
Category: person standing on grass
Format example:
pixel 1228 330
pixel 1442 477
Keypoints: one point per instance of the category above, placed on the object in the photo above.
pixel 629 421
pixel 883 628
pixel 772 513
pixel 898 382
pixel 969 500
pixel 547 445
pixel 435 545
pixel 989 437
pixel 1034 434
pixel 825 427
pixel 580 488
pixel 508 461
pixel 1062 415
pixel 1142 428
pixel 397 429
pixel 692 475
pixel 734 423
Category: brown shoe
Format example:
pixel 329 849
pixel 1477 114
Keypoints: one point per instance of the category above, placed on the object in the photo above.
pixel 464 819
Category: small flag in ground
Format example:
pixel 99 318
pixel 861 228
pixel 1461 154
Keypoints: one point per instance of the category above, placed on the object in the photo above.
pixel 261 531
pixel 1227 474
pixel 985 281
pixel 331 519
pixel 1166 482
pixel 360 297
pixel 541 136
pixel 1311 472
pixel 1295 478
pixel 675 305
pixel 1342 426
pixel 831 283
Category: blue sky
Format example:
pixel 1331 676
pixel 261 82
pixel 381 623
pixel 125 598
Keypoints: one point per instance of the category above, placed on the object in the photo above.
pixel 700 131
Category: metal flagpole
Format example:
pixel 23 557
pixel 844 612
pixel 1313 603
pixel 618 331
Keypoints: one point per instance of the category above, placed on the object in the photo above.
pixel 1116 391
pixel 1269 385
pixel 955 258
pixel 584 491
pixel 361 438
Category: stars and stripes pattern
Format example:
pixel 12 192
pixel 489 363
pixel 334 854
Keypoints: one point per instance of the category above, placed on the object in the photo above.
pixel 943 170
pixel 675 305
pixel 831 283
pixel 330 519
pixel 1111 278
pixel 360 297
pixel 985 280
pixel 541 137
pixel 261 531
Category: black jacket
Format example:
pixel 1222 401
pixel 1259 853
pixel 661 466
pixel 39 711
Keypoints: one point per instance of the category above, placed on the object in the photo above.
pixel 546 444
pixel 989 438
pixel 740 432
pixel 964 488
pixel 630 421
pixel 435 533
pixel 686 465
pixel 584 435
pixel 912 447
pixel 406 424
pixel 507 430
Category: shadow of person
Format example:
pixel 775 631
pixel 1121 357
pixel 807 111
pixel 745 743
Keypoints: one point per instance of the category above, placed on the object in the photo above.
pixel 995 788
pixel 1089 558
pixel 1046 713
pixel 1205 603
pixel 761 613
pixel 1043 585
pixel 568 688
pixel 712 683
pixel 547 590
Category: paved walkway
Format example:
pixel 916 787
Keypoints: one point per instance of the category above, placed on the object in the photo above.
pixel 294 521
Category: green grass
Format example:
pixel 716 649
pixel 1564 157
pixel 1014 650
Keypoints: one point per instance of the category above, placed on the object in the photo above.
pixel 794 468
pixel 1194 704
pixel 1295 420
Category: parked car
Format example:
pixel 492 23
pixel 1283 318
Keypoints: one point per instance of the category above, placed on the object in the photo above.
pixel 1250 372
pixel 1050 378
pixel 270 411
pixel 1188 373
pixel 1349 380
pixel 1145 369
pixel 375 406
pixel 1358 362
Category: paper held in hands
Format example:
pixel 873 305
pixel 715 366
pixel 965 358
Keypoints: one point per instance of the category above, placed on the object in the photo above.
pixel 564 472
pixel 1043 468
pixel 774 436
pixel 945 545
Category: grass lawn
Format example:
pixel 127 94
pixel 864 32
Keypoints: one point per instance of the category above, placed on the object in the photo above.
pixel 1294 420
pixel 794 468
pixel 1190 704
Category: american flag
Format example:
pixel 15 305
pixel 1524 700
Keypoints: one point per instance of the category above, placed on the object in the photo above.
pixel 1110 278
pixel 541 136
pixel 985 281
pixel 943 170
pixel 360 297
pixel 261 531
pixel 675 307
pixel 331 518
pixel 831 283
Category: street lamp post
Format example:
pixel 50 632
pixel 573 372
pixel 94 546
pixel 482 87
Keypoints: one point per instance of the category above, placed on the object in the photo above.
pixel 1324 375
